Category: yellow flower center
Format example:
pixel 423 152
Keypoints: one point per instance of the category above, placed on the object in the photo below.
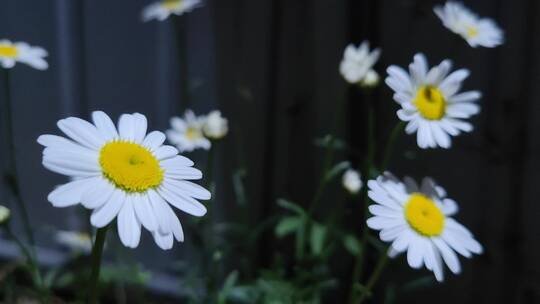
pixel 193 133
pixel 8 51
pixel 171 4
pixel 472 31
pixel 130 166
pixel 423 215
pixel 430 102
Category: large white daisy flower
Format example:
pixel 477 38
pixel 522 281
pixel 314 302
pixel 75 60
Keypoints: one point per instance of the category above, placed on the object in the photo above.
pixel 357 64
pixel 418 220
pixel 187 133
pixel 430 102
pixel 124 173
pixel 10 53
pixel 475 30
pixel 161 10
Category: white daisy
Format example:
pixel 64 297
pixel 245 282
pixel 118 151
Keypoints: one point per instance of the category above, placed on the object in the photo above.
pixel 124 173
pixel 10 53
pixel 430 102
pixel 357 63
pixel 417 220
pixel 161 10
pixel 76 241
pixel 215 126
pixel 352 181
pixel 475 30
pixel 5 214
pixel 187 133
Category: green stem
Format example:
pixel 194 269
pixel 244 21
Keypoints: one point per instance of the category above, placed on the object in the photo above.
pixel 390 144
pixel 97 252
pixel 383 260
pixel 13 180
pixel 34 269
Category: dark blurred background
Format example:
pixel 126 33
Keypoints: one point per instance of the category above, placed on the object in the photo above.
pixel 271 66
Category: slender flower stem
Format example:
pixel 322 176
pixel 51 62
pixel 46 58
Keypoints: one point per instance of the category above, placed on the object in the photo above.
pixel 383 260
pixel 390 144
pixel 12 180
pixel 97 252
pixel 34 269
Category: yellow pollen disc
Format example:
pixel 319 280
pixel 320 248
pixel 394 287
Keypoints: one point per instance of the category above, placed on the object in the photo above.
pixel 8 51
pixel 193 133
pixel 171 4
pixel 423 215
pixel 430 102
pixel 130 166
pixel 472 31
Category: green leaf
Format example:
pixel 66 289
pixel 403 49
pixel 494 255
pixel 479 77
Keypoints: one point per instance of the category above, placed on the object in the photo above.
pixel 228 285
pixel 317 238
pixel 352 244
pixel 291 206
pixel 361 289
pixel 288 225
pixel 420 283
pixel 329 141
pixel 390 294
pixel 337 170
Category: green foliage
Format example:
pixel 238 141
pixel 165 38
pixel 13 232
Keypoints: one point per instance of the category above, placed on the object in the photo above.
pixel 352 244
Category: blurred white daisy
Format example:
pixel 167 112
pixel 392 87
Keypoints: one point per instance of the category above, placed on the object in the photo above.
pixel 475 30
pixel 215 126
pixel 357 64
pixel 418 220
pixel 161 10
pixel 430 102
pixel 187 133
pixel 5 214
pixel 352 181
pixel 124 173
pixel 10 53
pixel 76 241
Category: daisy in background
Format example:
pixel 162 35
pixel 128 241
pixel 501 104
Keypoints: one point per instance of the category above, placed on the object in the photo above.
pixel 10 53
pixel 352 181
pixel 417 220
pixel 430 101
pixel 124 173
pixel 161 10
pixel 5 214
pixel 76 241
pixel 357 63
pixel 215 126
pixel 187 132
pixel 475 30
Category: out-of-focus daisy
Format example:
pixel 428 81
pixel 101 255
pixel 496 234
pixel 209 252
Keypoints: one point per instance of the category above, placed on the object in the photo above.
pixel 418 220
pixel 161 10
pixel 125 173
pixel 76 241
pixel 215 126
pixel 356 65
pixel 430 102
pixel 475 30
pixel 10 53
pixel 187 133
pixel 5 214
pixel 352 181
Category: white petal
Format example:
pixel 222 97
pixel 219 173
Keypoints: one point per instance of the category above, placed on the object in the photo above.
pixel 182 201
pixel 82 132
pixel 103 215
pixel 378 223
pixel 436 262
pixel 165 152
pixel 174 224
pixel 186 173
pixel 104 125
pixel 140 124
pixel 154 140
pixel 449 207
pixel 187 188
pixel 383 211
pixel 145 212
pixel 449 256
pixel 164 241
pixel 70 194
pixel 416 251
pixel 402 242
pixel 126 127
pixel 159 208
pixel 441 137
pixel 129 228
pixel 462 110
pixel 98 194
pixel 178 161
pixel 465 97
pixel 390 234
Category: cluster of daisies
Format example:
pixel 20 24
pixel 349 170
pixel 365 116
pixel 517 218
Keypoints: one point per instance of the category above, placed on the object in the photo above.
pixel 417 219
